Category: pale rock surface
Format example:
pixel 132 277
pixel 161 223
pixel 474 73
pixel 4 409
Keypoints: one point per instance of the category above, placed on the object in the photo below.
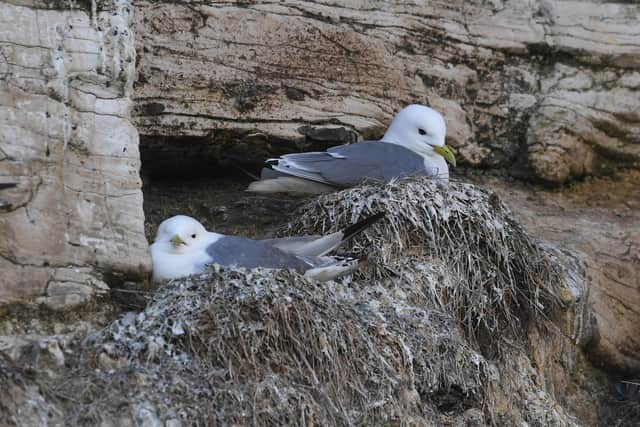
pixel 599 222
pixel 71 287
pixel 66 139
pixel 547 88
pixel 583 113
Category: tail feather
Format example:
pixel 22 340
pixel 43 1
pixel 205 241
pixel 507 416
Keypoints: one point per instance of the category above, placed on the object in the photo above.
pixel 320 246
pixel 333 271
pixel 359 226
pixel 325 244
pixel 289 184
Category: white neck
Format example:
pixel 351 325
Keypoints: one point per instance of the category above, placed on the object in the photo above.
pixel 399 138
pixel 436 166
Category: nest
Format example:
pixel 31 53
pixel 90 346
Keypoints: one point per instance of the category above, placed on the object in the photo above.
pixel 389 345
pixel 497 276
pixel 21 401
pixel 271 348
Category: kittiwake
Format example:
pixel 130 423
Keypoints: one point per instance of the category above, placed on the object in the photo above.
pixel 183 247
pixel 414 145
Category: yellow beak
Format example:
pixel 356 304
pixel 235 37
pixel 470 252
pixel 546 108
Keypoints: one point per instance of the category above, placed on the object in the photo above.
pixel 177 241
pixel 446 152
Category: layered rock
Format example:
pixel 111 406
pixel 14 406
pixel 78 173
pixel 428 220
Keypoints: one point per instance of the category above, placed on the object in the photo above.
pixel 599 222
pixel 546 88
pixel 67 141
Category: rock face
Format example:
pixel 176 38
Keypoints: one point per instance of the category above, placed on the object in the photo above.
pixel 67 141
pixel 598 221
pixel 545 88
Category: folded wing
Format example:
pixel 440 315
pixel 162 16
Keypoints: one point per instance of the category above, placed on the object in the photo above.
pixel 348 165
pixel 306 254
pixel 248 253
pixel 317 246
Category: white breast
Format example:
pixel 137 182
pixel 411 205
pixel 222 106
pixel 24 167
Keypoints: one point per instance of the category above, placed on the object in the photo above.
pixel 436 166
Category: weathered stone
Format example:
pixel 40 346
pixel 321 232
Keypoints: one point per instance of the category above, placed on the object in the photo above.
pixel 599 222
pixel 66 139
pixel 585 121
pixel 558 77
pixel 66 295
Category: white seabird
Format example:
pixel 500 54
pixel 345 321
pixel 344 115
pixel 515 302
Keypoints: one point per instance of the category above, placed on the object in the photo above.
pixel 414 145
pixel 183 247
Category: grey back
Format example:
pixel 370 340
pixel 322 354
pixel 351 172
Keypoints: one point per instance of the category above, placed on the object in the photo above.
pixel 349 165
pixel 243 252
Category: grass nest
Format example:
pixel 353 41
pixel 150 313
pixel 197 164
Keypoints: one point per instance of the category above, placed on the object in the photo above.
pixel 499 276
pixel 390 345
pixel 21 400
pixel 271 348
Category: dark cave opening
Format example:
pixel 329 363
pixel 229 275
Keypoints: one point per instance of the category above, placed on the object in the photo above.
pixel 206 179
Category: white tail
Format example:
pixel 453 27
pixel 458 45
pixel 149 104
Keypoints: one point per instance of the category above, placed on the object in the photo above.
pixel 330 272
pixel 286 184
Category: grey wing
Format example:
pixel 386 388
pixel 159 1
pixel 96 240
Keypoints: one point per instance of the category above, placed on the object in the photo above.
pixel 291 244
pixel 348 165
pixel 243 252
pixel 309 246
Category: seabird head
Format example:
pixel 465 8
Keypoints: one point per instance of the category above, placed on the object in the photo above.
pixel 420 129
pixel 181 232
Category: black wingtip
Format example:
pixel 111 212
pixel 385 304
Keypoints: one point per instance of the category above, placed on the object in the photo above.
pixel 359 226
pixel 4 185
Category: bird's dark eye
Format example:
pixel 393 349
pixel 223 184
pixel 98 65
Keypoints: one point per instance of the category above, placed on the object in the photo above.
pixel 193 236
pixel 422 132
